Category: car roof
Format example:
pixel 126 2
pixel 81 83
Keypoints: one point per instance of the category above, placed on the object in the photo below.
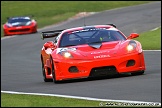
pixel 19 17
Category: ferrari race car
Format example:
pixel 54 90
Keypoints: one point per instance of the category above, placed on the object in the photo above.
pixel 19 25
pixel 90 51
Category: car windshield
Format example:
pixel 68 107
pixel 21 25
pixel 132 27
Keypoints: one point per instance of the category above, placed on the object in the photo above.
pixel 19 19
pixel 89 36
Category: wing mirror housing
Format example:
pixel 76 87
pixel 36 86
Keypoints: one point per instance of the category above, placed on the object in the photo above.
pixel 133 35
pixel 49 44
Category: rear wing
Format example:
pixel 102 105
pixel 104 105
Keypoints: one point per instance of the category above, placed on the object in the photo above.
pixel 112 25
pixel 50 34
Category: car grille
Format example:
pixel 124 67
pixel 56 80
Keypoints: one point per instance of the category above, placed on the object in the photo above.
pixel 20 30
pixel 103 71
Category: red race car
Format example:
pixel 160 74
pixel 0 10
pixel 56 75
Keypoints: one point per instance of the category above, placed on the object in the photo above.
pixel 90 51
pixel 19 25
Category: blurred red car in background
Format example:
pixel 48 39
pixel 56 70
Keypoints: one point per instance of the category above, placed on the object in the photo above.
pixel 19 25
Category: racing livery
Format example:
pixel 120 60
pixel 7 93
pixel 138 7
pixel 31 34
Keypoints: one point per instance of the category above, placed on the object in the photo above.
pixel 90 51
pixel 19 25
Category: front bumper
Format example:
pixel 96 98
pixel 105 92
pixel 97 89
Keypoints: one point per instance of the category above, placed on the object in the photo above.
pixel 20 30
pixel 85 68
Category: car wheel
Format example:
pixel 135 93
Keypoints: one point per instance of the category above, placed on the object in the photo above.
pixel 53 71
pixel 138 73
pixel 44 75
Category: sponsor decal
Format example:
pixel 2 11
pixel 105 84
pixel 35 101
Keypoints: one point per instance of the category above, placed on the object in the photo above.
pixel 101 56
pixel 84 30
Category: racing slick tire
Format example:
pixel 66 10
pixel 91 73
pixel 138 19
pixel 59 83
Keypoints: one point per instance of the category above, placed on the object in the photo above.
pixel 44 75
pixel 53 71
pixel 138 73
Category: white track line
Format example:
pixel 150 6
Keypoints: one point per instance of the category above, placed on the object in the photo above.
pixel 151 50
pixel 84 98
pixel 155 28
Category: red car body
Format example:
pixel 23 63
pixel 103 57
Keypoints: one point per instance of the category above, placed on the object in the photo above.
pixel 81 55
pixel 19 25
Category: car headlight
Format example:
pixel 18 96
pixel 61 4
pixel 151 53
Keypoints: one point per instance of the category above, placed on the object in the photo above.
pixel 8 25
pixel 66 54
pixel 131 46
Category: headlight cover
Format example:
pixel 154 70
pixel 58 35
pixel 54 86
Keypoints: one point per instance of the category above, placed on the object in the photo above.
pixel 66 54
pixel 131 46
pixel 9 25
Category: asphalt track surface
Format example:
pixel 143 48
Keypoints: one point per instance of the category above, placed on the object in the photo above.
pixel 21 66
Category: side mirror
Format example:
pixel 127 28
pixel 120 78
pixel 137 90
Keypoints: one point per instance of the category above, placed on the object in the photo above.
pixel 133 35
pixel 46 45
pixel 49 44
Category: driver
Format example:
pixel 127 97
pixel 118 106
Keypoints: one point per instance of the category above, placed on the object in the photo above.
pixel 104 38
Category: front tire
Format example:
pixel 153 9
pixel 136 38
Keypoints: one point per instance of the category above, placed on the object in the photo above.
pixel 53 71
pixel 44 74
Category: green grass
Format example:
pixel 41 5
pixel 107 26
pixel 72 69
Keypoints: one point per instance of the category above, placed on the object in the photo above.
pixel 52 12
pixel 23 100
pixel 33 101
pixel 150 40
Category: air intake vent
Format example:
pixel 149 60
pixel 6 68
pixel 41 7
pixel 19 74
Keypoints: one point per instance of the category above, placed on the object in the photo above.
pixel 103 71
pixel 130 63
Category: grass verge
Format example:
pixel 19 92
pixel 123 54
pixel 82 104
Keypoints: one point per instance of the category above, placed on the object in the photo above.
pixel 23 100
pixel 150 40
pixel 52 12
